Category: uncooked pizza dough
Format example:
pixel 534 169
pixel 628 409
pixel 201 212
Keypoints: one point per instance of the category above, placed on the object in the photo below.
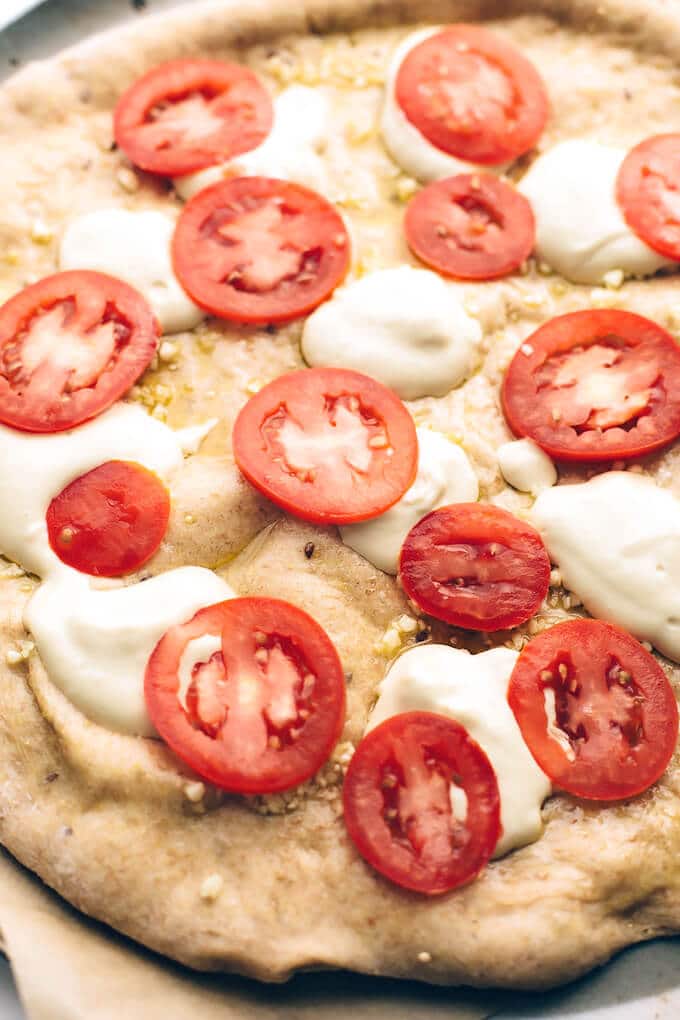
pixel 268 885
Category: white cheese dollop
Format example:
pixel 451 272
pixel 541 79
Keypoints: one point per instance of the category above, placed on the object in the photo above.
pixel 135 247
pixel 35 468
pixel 405 327
pixel 580 230
pixel 445 476
pixel 407 146
pixel 616 541
pixel 472 689
pixel 302 120
pixel 95 645
pixel 526 467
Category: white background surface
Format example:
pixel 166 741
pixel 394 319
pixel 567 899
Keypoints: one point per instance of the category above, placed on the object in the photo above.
pixel 643 983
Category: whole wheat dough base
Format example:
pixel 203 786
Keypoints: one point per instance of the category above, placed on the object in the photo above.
pixel 105 819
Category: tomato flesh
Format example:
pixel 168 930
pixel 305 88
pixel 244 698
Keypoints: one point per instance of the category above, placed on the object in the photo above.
pixel 475 566
pixel 185 115
pixel 470 227
pixel 595 385
pixel 330 445
pixel 595 708
pixel 70 346
pixel 397 802
pixel 109 521
pixel 472 95
pixel 259 250
pixel 257 710
pixel 648 192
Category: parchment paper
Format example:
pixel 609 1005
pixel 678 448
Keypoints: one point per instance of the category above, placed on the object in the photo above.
pixel 68 967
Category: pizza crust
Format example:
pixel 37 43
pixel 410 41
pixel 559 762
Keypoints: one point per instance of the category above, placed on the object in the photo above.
pixel 115 824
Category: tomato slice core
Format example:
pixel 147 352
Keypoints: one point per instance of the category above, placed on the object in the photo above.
pixel 648 192
pixel 259 250
pixel 595 708
pixel 470 227
pixel 475 566
pixel 329 445
pixel 595 385
pixel 472 95
pixel 250 693
pixel 398 802
pixel 109 521
pixel 185 115
pixel 71 345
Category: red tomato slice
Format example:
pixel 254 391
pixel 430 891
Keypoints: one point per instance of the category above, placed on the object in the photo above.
pixel 259 250
pixel 110 520
pixel 473 95
pixel 595 385
pixel 189 114
pixel 260 713
pixel 595 708
pixel 475 566
pixel 471 227
pixel 70 346
pixel 397 802
pixel 648 192
pixel 330 445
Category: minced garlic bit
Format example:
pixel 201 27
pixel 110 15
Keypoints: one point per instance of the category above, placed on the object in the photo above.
pixel 397 635
pixel 168 351
pixel 128 179
pixel 343 752
pixel 405 188
pixel 19 652
pixel 357 134
pixel 253 386
pixel 603 298
pixel 212 887
pixel 41 233
pixel 555 578
pixel 189 519
pixel 613 279
pixel 424 957
pixel 194 792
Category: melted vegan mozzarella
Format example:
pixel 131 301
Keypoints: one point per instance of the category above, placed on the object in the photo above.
pixel 526 467
pixel 290 151
pixel 445 476
pixel 135 247
pixel 580 230
pixel 616 541
pixel 408 147
pixel 95 645
pixel 472 689
pixel 405 327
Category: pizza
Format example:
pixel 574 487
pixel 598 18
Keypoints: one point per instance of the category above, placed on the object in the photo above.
pixel 339 418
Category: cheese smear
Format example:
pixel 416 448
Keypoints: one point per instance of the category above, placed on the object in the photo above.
pixel 405 327
pixel 445 476
pixel 291 150
pixel 407 146
pixel 472 689
pixel 95 645
pixel 580 230
pixel 35 468
pixel 525 466
pixel 616 541
pixel 135 247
